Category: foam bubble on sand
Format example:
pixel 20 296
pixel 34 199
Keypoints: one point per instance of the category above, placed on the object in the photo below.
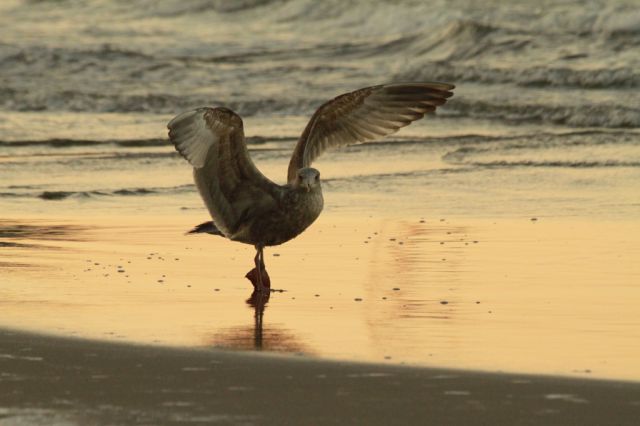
pixel 365 375
pixel 457 392
pixel 25 358
pixel 567 397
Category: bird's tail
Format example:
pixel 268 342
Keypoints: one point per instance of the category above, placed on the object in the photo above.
pixel 206 228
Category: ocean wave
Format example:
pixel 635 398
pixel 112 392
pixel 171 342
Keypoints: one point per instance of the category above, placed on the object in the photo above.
pixel 129 64
pixel 134 143
pixel 14 195
pixel 617 23
pixel 194 7
pixel 519 109
pixel 67 143
pixel 126 192
pixel 466 39
pixel 536 139
pixel 51 143
pixel 158 103
pixel 53 195
pixel 535 76
pixel 562 151
pixel 61 195
pixel 603 115
pixel 137 191
pixel 33 60
pixel 559 163
pixel 476 51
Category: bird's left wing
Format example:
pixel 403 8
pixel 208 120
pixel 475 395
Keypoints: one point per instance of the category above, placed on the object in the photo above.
pixel 365 114
pixel 212 140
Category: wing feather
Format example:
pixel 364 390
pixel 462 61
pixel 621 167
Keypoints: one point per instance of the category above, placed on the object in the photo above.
pixel 365 114
pixel 233 189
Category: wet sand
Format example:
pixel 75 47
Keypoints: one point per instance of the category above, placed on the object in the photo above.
pixel 59 381
pixel 123 320
pixel 546 296
pixel 499 236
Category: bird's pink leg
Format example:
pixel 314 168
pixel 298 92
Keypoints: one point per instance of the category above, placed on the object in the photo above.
pixel 258 275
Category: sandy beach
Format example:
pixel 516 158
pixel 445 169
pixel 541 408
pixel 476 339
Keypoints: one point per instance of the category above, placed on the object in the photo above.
pixel 479 266
pixel 502 296
pixel 61 381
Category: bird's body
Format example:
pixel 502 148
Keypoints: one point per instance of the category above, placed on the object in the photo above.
pixel 292 213
pixel 248 207
pixel 288 218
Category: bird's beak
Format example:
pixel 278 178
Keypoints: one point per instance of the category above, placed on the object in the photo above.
pixel 307 187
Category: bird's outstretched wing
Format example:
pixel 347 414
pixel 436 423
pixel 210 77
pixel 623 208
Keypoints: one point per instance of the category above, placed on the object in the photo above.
pixel 365 114
pixel 212 140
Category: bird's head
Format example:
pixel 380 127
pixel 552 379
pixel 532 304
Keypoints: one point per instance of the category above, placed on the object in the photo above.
pixel 308 179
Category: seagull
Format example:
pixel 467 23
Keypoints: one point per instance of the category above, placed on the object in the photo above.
pixel 248 207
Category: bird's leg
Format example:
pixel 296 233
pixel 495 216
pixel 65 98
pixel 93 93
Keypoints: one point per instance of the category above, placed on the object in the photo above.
pixel 264 276
pixel 258 275
pixel 262 267
pixel 259 262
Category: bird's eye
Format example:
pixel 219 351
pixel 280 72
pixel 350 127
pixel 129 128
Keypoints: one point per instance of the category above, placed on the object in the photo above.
pixel 317 178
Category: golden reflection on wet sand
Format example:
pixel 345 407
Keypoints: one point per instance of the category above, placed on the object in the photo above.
pixel 546 296
pixel 257 336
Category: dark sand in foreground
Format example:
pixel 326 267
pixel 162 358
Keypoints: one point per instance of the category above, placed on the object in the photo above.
pixel 50 380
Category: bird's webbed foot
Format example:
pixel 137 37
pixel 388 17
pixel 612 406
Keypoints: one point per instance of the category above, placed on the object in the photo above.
pixel 263 284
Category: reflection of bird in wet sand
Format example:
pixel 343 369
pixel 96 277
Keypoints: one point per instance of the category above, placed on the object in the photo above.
pixel 259 336
pixel 248 207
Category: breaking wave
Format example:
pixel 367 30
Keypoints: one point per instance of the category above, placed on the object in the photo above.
pixel 140 66
pixel 603 115
pixel 536 76
pixel 559 163
pixel 123 192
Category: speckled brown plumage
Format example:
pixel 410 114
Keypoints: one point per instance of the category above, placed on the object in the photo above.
pixel 248 207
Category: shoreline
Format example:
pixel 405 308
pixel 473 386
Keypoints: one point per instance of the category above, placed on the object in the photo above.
pixel 81 381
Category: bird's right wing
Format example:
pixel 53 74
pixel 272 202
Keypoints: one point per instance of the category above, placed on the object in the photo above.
pixel 212 140
pixel 364 115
